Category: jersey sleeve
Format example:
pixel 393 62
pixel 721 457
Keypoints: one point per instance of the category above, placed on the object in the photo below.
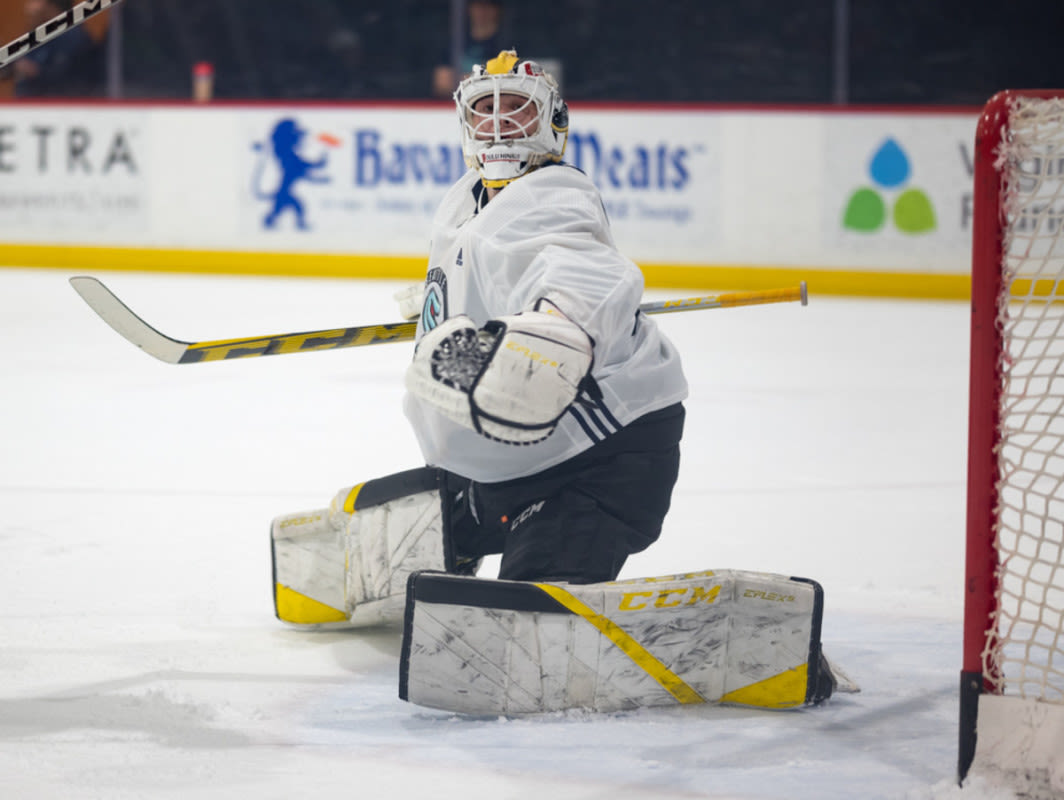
pixel 556 245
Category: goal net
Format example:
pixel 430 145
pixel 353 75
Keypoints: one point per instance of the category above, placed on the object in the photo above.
pixel 1012 683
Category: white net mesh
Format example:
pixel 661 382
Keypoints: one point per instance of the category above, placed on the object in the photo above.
pixel 1025 652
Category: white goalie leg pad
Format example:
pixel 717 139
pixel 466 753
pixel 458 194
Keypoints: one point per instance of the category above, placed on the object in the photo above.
pixel 510 381
pixel 308 570
pixel 395 528
pixel 489 647
pixel 347 566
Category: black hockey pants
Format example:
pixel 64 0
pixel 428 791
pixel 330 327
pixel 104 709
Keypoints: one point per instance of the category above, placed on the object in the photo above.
pixel 577 521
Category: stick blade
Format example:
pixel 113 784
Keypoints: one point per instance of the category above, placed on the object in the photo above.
pixel 125 323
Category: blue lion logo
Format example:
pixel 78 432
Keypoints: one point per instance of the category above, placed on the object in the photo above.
pixel 286 140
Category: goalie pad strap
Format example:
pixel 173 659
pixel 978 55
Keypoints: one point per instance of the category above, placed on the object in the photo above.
pixel 514 595
pixel 391 487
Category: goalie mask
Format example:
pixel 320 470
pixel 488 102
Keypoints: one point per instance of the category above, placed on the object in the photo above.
pixel 512 119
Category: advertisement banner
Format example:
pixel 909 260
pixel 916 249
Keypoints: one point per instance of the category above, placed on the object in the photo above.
pixel 361 180
pixel 73 177
pixel 370 180
pixel 833 191
pixel 901 190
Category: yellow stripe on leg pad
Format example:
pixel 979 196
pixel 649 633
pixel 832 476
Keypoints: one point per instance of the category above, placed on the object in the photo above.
pixel 785 690
pixel 669 680
pixel 292 606
pixel 352 496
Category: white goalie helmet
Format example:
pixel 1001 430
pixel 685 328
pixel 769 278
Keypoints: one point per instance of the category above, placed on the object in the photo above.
pixel 512 117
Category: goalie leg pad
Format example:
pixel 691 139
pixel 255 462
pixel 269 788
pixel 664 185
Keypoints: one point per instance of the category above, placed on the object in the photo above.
pixel 308 570
pixel 506 647
pixel 348 565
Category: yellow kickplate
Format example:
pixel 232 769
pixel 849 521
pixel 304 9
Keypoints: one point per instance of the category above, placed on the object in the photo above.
pixel 785 690
pixel 302 610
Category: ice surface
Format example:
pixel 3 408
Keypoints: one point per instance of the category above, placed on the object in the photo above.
pixel 140 656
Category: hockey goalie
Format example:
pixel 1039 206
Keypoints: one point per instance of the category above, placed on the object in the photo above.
pixel 549 412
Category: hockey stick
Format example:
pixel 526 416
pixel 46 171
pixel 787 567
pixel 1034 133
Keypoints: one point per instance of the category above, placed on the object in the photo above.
pixel 173 351
pixel 56 26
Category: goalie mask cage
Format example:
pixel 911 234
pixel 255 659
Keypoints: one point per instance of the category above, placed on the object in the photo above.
pixel 1012 680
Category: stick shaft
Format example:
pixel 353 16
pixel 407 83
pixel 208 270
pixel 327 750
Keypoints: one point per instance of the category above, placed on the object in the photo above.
pixel 730 299
pixel 56 26
pixel 174 351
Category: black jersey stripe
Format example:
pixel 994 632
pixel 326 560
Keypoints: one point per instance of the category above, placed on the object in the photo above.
pixel 591 434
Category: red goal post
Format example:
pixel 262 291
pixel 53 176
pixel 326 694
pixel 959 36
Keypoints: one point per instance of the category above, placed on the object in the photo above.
pixel 1012 679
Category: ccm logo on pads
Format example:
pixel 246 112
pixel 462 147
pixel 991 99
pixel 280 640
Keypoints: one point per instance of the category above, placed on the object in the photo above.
pixel 669 598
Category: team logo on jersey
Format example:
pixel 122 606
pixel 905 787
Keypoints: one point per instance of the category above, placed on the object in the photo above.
pixel 434 310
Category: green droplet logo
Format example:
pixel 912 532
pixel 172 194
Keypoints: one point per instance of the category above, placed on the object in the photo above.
pixel 913 212
pixel 865 212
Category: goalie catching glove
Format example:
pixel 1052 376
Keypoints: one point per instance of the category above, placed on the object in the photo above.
pixel 511 380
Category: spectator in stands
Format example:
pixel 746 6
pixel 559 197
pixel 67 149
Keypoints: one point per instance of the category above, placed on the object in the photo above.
pixel 70 65
pixel 483 41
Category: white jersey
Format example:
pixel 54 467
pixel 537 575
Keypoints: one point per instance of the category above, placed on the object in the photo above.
pixel 545 235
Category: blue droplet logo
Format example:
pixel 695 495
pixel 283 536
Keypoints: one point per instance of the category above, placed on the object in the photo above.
pixel 890 166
